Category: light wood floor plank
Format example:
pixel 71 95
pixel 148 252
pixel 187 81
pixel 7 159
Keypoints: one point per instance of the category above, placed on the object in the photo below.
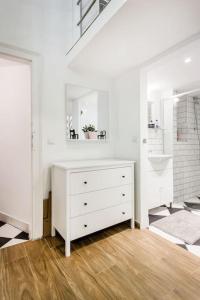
pixel 80 276
pixel 12 254
pixel 18 281
pixel 50 279
pixel 117 263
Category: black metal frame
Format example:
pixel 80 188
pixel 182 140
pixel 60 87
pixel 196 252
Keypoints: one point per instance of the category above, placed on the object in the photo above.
pixel 103 4
pixel 86 12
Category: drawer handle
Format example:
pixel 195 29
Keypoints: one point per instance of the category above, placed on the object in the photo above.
pixel 85 203
pixel 123 195
pixel 85 225
pixel 123 176
pixel 123 213
pixel 85 182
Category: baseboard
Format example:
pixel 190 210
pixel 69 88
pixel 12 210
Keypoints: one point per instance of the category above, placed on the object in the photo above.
pixel 14 222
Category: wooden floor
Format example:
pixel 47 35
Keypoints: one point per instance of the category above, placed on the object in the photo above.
pixel 118 263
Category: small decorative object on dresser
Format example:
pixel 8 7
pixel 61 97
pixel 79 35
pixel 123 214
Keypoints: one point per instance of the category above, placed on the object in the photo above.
pixel 90 132
pixel 73 134
pixel 102 135
pixel 85 130
pixel 88 196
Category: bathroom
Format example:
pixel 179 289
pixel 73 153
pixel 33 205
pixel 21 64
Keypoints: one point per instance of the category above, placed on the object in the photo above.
pixel 173 147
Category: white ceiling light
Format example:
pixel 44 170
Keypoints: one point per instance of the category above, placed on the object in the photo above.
pixel 187 60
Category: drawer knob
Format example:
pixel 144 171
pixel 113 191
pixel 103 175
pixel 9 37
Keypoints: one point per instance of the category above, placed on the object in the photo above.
pixel 85 203
pixel 123 195
pixel 123 213
pixel 123 176
pixel 85 182
pixel 85 225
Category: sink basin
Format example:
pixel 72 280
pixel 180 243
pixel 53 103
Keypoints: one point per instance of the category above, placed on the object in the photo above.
pixel 159 157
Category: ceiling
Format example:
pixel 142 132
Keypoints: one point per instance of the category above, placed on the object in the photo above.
pixel 75 91
pixel 175 72
pixel 139 31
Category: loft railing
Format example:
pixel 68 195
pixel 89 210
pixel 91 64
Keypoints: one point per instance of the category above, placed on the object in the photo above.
pixel 88 12
pixel 86 8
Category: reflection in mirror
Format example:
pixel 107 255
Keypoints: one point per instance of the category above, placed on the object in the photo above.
pixel 87 113
pixel 154 114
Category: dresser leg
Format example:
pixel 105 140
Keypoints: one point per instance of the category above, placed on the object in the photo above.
pixel 67 249
pixel 132 223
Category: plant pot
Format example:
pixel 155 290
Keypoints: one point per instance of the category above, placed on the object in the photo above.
pixel 86 134
pixel 92 135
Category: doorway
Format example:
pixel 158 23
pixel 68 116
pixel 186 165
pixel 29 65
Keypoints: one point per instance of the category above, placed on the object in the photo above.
pixel 15 151
pixel 170 145
pixel 174 73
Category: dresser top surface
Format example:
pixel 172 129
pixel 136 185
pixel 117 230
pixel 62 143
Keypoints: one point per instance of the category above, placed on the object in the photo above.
pixel 79 164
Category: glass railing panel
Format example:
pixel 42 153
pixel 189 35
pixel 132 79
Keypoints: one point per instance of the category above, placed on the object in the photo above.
pixel 84 13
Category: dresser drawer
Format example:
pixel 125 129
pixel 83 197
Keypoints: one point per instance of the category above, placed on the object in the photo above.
pixel 88 202
pixel 89 223
pixel 84 182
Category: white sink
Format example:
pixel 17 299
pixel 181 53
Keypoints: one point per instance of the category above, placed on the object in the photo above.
pixel 159 157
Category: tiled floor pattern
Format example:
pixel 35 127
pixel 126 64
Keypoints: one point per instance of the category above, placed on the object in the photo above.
pixel 162 212
pixel 10 235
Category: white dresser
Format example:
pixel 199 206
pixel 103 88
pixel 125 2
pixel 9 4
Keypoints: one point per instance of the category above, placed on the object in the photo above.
pixel 88 196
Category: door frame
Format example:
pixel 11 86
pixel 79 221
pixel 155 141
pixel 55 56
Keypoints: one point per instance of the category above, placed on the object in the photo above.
pixel 144 69
pixel 35 61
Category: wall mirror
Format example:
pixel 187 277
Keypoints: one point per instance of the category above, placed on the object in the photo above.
pixel 87 113
pixel 154 113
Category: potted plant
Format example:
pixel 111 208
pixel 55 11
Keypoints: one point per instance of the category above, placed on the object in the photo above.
pixel 85 130
pixel 92 132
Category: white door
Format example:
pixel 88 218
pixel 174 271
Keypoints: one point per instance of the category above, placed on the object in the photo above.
pixel 15 140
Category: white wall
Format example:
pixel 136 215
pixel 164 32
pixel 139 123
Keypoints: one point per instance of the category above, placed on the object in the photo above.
pixel 55 128
pixel 15 141
pixel 45 27
pixel 127 89
pixel 127 95
pixel 103 112
pixel 42 27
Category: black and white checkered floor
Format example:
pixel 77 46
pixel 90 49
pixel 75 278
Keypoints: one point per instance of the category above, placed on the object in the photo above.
pixel 162 212
pixel 10 235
